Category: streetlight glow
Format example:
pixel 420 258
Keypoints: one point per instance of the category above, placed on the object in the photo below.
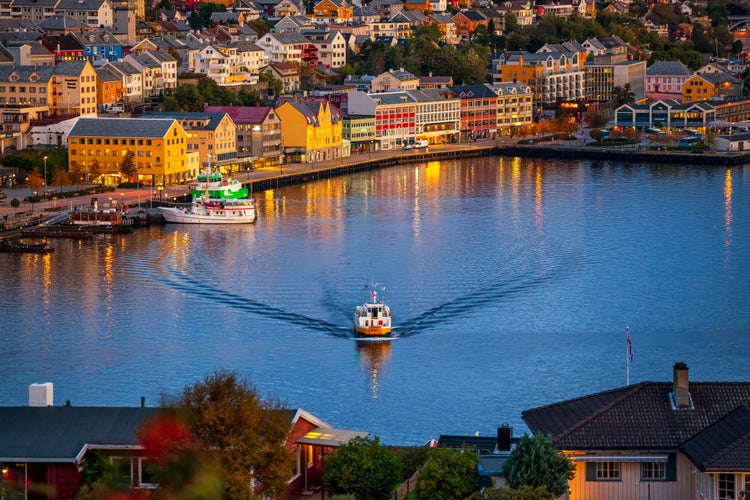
pixel 45 171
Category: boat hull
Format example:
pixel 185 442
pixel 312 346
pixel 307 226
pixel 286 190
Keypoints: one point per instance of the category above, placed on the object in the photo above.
pixel 372 331
pixel 178 216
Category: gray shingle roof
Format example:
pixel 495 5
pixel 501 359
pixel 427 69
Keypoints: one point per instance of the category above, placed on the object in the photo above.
pixel 636 417
pixel 119 127
pixel 675 68
pixel 725 446
pixel 60 433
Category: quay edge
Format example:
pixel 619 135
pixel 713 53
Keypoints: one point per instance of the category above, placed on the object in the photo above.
pixel 567 152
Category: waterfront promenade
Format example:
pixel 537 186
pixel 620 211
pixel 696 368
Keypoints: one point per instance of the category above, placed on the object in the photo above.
pixel 295 173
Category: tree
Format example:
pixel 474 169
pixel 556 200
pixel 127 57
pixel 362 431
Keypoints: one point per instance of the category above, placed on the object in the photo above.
pixel 128 167
pixel 535 462
pixel 449 474
pixel 245 434
pixel 522 493
pixel 622 95
pixel 34 180
pixel 363 468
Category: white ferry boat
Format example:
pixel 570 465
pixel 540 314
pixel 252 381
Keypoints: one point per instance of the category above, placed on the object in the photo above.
pixel 206 210
pixel 373 319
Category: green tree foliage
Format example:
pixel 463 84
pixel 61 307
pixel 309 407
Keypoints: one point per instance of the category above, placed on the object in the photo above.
pixel 449 474
pixel 522 493
pixel 622 95
pixel 244 434
pixel 189 97
pixel 362 468
pixel 535 462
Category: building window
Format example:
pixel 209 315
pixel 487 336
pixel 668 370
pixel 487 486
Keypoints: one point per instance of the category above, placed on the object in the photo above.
pixel 122 472
pixel 653 471
pixel 726 487
pixel 607 471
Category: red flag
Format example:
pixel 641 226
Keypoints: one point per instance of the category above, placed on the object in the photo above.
pixel 630 345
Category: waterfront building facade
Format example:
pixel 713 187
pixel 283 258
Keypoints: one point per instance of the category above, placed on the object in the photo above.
pixel 360 132
pixel 478 110
pixel 258 133
pixel 310 130
pixel 437 116
pixel 610 70
pixel 666 113
pixel 552 76
pixel 515 107
pixel 212 135
pixel 97 147
pixel 395 116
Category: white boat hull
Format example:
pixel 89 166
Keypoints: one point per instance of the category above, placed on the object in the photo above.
pixel 180 216
pixel 372 320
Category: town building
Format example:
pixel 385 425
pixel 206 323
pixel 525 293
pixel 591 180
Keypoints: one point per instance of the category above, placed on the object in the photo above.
pixel 665 79
pixel 395 116
pixel 678 439
pixel 310 130
pixel 478 110
pixel 666 113
pixel 212 135
pixel 258 133
pixel 97 147
pixel 608 71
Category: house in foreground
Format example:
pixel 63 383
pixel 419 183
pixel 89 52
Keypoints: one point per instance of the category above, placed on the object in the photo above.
pixel 680 440
pixel 42 446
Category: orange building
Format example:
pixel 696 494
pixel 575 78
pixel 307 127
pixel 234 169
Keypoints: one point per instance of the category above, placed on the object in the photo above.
pixel 109 89
pixel 697 88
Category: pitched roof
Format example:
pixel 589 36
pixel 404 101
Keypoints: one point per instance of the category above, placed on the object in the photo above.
pixel 61 433
pixel 673 68
pixel 474 91
pixel 636 417
pixel 61 22
pixel 242 114
pixel 118 127
pixel 211 121
pixel 724 446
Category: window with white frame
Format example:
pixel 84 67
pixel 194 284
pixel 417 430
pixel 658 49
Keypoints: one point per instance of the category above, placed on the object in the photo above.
pixel 607 471
pixel 653 471
pixel 727 488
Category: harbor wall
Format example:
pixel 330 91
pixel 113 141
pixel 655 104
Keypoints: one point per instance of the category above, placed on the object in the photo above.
pixel 548 151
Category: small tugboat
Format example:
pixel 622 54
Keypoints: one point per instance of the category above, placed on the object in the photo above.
pixel 373 319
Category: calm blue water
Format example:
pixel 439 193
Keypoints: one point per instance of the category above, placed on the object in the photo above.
pixel 511 282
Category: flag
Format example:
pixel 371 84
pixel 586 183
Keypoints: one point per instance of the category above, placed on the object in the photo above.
pixel 630 345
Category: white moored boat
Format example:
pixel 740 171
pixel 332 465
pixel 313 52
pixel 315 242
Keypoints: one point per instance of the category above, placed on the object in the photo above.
pixel 206 210
pixel 373 318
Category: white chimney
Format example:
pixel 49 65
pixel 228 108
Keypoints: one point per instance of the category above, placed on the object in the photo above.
pixel 40 394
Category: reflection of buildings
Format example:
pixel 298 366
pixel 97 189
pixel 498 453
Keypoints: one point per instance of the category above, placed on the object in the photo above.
pixel 374 353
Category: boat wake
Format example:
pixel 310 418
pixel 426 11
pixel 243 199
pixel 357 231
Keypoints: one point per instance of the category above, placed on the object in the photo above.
pixel 516 280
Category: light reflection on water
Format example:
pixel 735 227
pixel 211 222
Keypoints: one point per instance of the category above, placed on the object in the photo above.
pixel 511 282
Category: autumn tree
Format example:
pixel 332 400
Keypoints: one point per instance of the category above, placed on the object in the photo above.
pixel 535 462
pixel 363 468
pixel 34 180
pixel 449 474
pixel 244 433
pixel 128 167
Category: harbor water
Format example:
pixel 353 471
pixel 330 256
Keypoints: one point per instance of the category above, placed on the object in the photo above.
pixel 511 283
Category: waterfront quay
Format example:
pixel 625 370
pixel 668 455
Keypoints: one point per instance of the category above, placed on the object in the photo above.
pixel 299 173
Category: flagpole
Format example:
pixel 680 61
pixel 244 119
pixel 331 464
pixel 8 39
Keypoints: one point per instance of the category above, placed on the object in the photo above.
pixel 627 355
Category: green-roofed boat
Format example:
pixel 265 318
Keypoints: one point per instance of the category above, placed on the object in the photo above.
pixel 218 187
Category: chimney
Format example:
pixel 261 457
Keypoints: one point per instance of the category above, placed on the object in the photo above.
pixel 40 394
pixel 504 435
pixel 680 387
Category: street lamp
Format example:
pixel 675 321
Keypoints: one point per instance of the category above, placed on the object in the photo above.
pixel 32 200
pixel 45 171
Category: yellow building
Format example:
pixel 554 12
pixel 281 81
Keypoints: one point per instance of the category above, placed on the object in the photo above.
pixel 310 130
pixel 213 134
pixel 98 146
pixel 697 88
